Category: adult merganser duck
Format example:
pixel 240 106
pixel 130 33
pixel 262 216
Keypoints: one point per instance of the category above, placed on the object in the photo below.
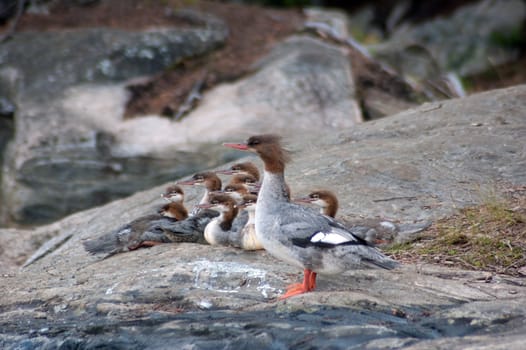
pixel 249 240
pixel 300 235
pixel 209 179
pixel 173 193
pixel 246 168
pixel 130 236
pixel 373 230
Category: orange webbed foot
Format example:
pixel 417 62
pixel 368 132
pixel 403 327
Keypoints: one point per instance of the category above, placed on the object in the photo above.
pixel 309 283
pixel 149 243
pixel 312 280
pixel 294 289
pixel 146 244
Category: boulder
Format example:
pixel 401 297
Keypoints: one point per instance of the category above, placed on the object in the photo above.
pixel 380 91
pixel 95 156
pixel 475 38
pixel 73 149
pixel 418 165
pixel 60 159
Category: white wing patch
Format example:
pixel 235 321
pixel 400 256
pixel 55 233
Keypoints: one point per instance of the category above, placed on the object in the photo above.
pixel 329 238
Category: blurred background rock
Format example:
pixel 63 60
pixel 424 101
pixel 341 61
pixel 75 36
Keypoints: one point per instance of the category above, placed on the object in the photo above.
pixel 101 99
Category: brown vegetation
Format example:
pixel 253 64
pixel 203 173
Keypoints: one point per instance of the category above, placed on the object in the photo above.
pixel 489 237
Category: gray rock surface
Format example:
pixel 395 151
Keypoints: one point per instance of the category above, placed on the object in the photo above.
pixel 418 165
pixel 422 163
pixel 70 57
pixel 308 78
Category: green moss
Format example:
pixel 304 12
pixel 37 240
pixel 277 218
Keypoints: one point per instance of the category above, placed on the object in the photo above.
pixel 399 247
pixel 453 237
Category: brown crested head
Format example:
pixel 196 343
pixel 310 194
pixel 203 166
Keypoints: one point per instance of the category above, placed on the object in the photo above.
pixel 247 168
pixel 217 198
pixel 243 179
pixel 175 189
pixel 270 150
pixel 223 202
pixel 174 210
pixel 209 179
pixel 173 193
pixel 213 182
pixel 226 205
pixel 235 188
pixel 325 199
pixel 249 199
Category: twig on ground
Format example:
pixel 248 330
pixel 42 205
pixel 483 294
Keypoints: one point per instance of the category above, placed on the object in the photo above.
pixel 410 198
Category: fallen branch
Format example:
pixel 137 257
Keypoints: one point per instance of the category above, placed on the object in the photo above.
pixel 409 198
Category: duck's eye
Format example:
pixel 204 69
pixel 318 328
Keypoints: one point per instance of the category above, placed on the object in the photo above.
pixel 315 196
pixel 253 142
